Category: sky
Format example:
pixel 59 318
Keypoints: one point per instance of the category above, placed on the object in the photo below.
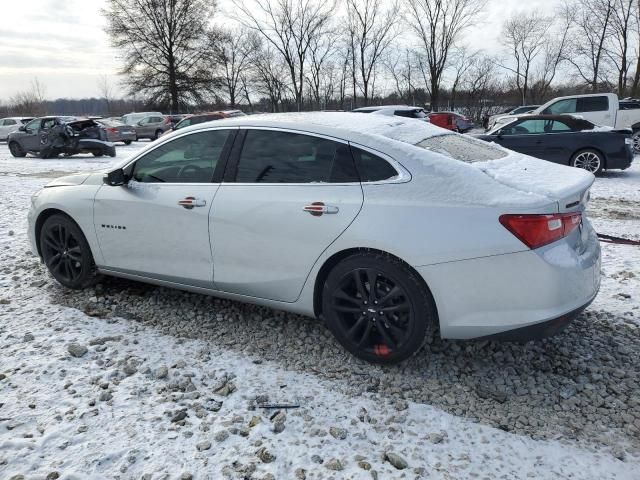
pixel 63 43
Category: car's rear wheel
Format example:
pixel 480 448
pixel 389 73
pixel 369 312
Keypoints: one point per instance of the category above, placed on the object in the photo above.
pixel 16 150
pixel 127 142
pixel 588 159
pixel 378 308
pixel 157 134
pixel 66 253
pixel 97 154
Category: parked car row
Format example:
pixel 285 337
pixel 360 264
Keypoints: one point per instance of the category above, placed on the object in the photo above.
pixel 49 137
pixel 54 135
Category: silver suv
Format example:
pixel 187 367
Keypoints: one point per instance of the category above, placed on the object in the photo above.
pixel 152 126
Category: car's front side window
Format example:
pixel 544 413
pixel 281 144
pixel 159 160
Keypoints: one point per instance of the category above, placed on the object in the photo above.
pixel 187 159
pixel 281 157
pixel 567 105
pixel 32 126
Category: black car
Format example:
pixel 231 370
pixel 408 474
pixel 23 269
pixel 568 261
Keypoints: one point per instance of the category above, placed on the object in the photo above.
pixel 49 137
pixel 566 140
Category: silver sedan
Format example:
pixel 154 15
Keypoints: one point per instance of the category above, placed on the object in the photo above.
pixel 389 229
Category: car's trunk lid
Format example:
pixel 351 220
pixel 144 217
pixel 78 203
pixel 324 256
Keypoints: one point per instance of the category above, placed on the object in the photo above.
pixel 566 186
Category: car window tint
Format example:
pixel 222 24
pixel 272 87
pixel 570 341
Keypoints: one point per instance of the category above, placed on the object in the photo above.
pixel 562 106
pixel 526 127
pixel 9 122
pixel 404 113
pixel 188 159
pixel 282 157
pixel 559 126
pixel 371 167
pixel 33 125
pixel 183 123
pixel 593 104
pixel 461 147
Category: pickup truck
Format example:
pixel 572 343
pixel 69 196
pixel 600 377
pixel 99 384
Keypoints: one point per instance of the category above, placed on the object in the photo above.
pixel 599 108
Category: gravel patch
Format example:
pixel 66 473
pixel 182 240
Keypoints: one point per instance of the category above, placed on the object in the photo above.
pixel 583 384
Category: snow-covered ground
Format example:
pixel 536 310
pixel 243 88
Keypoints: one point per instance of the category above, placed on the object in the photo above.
pixel 144 404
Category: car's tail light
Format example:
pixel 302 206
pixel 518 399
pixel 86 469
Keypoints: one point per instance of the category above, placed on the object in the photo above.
pixel 112 130
pixel 538 230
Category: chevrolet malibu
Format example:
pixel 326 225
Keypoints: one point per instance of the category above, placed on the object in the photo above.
pixel 389 229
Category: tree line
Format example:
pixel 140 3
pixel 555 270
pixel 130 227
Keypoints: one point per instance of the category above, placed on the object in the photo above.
pixel 293 55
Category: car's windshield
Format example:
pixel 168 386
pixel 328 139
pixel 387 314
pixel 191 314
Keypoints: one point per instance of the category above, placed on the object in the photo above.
pixel 462 148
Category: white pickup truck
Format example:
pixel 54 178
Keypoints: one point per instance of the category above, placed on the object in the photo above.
pixel 599 108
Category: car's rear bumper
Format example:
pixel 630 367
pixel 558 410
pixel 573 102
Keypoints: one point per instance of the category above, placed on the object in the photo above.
pixel 621 159
pixel 530 291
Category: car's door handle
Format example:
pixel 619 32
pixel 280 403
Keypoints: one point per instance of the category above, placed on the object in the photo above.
pixel 190 202
pixel 318 208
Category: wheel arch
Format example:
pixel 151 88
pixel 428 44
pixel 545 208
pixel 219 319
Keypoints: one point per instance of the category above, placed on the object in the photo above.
pixel 43 216
pixel 337 257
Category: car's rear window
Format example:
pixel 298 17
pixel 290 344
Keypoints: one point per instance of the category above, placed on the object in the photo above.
pixel 462 148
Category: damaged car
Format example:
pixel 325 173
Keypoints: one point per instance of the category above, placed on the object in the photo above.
pixel 48 137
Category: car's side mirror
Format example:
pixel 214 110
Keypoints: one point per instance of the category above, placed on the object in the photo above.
pixel 22 128
pixel 115 178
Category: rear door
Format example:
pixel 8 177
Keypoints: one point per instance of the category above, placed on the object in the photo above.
pixel 286 198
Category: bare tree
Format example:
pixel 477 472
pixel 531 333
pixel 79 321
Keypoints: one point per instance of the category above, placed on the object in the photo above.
pixel 619 45
pixel 270 76
pixel 525 36
pixel 162 44
pixel 438 25
pixel 290 26
pixel 554 54
pixel 635 86
pixel 371 29
pixel 592 27
pixel 233 53
pixel 400 65
pixel 30 101
pixel 106 89
pixel 462 62
pixel 320 50
pixel 479 84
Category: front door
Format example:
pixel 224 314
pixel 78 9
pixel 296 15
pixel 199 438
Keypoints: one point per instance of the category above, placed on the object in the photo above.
pixel 289 197
pixel 30 140
pixel 157 224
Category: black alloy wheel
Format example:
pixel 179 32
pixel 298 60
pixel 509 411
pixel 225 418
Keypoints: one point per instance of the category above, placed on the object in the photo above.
pixel 377 308
pixel 66 252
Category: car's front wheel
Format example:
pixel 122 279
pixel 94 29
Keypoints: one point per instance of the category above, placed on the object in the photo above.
pixel 378 308
pixel 97 154
pixel 16 150
pixel 127 142
pixel 588 159
pixel 158 134
pixel 66 253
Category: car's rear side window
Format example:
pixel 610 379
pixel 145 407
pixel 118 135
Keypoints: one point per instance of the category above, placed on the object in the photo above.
pixel 270 156
pixel 371 167
pixel 460 147
pixel 593 104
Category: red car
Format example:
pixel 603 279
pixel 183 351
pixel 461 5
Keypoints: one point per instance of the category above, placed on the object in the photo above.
pixel 451 121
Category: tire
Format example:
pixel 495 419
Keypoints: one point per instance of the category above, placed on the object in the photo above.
pixel 16 150
pixel 66 252
pixel 97 154
pixel 127 142
pixel 404 321
pixel 157 134
pixel 589 160
pixel 636 142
